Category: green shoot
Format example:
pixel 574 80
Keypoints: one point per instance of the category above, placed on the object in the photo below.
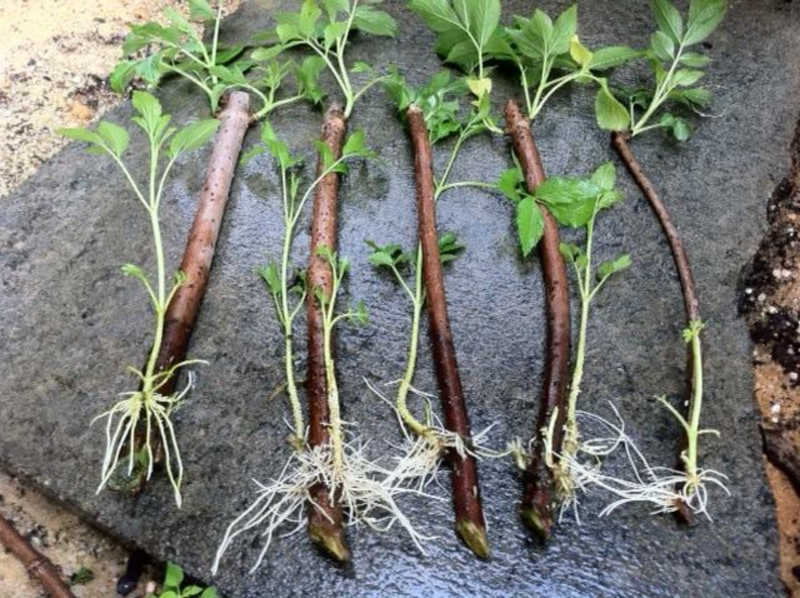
pixel 441 109
pixel 675 69
pixel 173 586
pixel 178 49
pixel 326 33
pixel 147 403
pixel 550 55
pixel 288 292
pixel 367 490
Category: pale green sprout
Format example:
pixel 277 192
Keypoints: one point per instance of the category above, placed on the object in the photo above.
pixel 148 404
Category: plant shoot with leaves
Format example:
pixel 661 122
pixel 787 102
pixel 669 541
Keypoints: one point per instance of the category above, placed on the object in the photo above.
pixel 154 403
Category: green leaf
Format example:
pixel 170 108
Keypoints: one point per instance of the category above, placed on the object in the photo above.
pixel 169 594
pixel 698 97
pixel 695 60
pixel 437 14
pixel 662 45
pixel 571 252
pixel 686 77
pixel 681 129
pixel 81 134
pixel 114 136
pixel 580 53
pixel 509 183
pixel 173 576
pixel 269 274
pixel 449 247
pixel 308 17
pixel 605 176
pixel 266 54
pixel 571 200
pixel 380 258
pixel 149 108
pixel 307 75
pixel 332 32
pixel 210 593
pixel 608 199
pixel 611 115
pixel 376 22
pixel 613 56
pixel 564 29
pixel 192 136
pixel 189 591
pixel 704 17
pixel 668 19
pixel 332 7
pixel 122 75
pixel 482 17
pixel 277 148
pixel 612 266
pixel 355 145
pixel 574 214
pixel 530 224
pixel 199 10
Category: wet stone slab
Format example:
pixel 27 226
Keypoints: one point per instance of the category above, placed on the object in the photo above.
pixel 71 322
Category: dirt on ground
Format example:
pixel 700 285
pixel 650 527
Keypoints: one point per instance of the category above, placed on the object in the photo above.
pixel 54 63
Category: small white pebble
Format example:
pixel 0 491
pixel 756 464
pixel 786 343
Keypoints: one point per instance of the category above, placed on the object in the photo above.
pixel 772 309
pixel 748 291
pixel 776 273
pixel 774 420
pixel 762 297
pixel 775 408
pixel 792 376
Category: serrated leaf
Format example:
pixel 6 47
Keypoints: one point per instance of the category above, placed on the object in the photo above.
pixel 307 75
pixel 361 67
pixel 574 214
pixel 605 177
pixel 564 29
pixel 266 54
pixel 482 18
pixel 355 145
pixel 277 148
pixel 662 45
pixel 613 56
pixel 189 591
pixel 199 10
pixel 697 97
pixel 380 258
pixel 269 274
pixel 580 53
pixel 695 60
pixel 437 14
pixel 668 19
pixel 613 266
pixel 332 32
pixel 376 22
pixel 608 199
pixel 210 593
pixel 80 134
pixel 479 87
pixel 704 17
pixel 611 115
pixel 122 75
pixel 570 251
pixel 192 136
pixel 509 183
pixel 681 129
pixel 530 224
pixel 149 107
pixel 332 7
pixel 115 137
pixel 686 77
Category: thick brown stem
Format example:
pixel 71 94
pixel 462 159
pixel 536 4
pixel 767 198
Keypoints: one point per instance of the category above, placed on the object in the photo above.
pixel 466 495
pixel 619 140
pixel 37 565
pixel 201 243
pixel 538 499
pixel 325 514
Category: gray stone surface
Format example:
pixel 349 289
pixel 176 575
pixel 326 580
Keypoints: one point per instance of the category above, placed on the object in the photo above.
pixel 71 322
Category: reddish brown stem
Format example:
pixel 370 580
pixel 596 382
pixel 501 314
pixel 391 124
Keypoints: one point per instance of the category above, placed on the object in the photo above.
pixel 619 140
pixel 324 513
pixel 37 565
pixel 538 499
pixel 470 523
pixel 201 243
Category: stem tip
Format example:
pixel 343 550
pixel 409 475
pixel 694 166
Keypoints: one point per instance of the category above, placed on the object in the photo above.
pixel 538 522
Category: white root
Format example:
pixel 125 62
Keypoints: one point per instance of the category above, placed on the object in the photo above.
pixel 662 488
pixel 367 490
pixel 123 418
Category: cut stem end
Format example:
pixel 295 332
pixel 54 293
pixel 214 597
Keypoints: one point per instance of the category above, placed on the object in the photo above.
pixel 474 537
pixel 331 542
pixel 539 523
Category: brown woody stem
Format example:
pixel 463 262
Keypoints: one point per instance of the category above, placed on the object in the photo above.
pixel 538 498
pixel 37 565
pixel 619 140
pixel 470 523
pixel 325 514
pixel 200 245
